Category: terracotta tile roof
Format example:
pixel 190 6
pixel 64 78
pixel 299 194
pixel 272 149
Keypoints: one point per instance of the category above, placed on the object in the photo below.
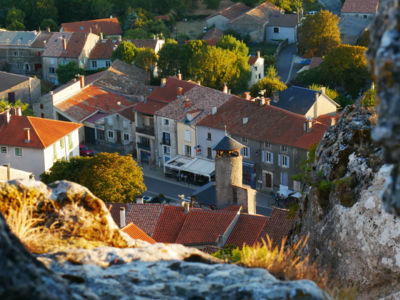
pixel 145 43
pixel 115 208
pixel 278 226
pixel 103 49
pixel 169 224
pixel 247 230
pixel 136 233
pixel 43 132
pixel 232 11
pixel 204 227
pixel 259 14
pixel 75 43
pixel 252 59
pixel 233 207
pixel 360 6
pixel 149 107
pixel 265 123
pixel 200 98
pixel 128 113
pixel 315 62
pixel 108 26
pixel 168 93
pixel 92 99
pixel 280 20
pixel 213 36
pixel 145 216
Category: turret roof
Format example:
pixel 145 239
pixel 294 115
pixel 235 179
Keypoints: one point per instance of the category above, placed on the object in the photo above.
pixel 228 144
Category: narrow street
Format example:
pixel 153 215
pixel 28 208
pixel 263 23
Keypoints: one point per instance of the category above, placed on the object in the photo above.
pixel 284 62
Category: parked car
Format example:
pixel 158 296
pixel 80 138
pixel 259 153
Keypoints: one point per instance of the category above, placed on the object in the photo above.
pixel 147 199
pixel 85 151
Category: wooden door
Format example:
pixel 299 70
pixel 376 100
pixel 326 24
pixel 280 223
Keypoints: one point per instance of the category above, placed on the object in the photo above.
pixel 268 180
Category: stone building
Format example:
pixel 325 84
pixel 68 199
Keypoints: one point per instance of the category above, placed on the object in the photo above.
pixel 15 87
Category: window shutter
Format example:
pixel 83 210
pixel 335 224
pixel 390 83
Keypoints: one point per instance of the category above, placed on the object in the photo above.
pixel 263 156
pixel 183 149
pixel 288 161
pixel 279 159
pixel 272 157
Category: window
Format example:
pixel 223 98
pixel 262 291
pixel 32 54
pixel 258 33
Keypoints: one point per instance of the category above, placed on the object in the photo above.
pixel 42 115
pixel 166 150
pixel 62 143
pixel 284 178
pixel 18 151
pixel 209 136
pixel 4 149
pixel 268 157
pixel 276 29
pixel 111 134
pixel 284 149
pixel 108 63
pixel 109 121
pixel 70 142
pixel 94 64
pixel 245 152
pixel 126 137
pixel 188 150
pixel 100 134
pixel 41 106
pixel 267 145
pixel 209 153
pixel 187 135
pixel 52 70
pixel 284 161
pixel 11 97
pixel 166 139
pixel 244 140
pixel 255 68
pixel 166 122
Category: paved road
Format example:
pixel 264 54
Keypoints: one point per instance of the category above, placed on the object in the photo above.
pixel 284 62
pixel 156 186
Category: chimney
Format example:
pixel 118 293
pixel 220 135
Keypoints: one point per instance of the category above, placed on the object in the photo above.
pixel 122 222
pixel 187 102
pixel 323 90
pixel 8 116
pixel 308 125
pixel 119 38
pixel 225 88
pixel 179 91
pixel 333 121
pixel 267 101
pixel 82 81
pixel 64 40
pixel 186 206
pixel 8 171
pixel 27 135
pixel 139 200
pixel 18 111
pixel 258 54
pixel 275 96
pixel 179 75
pixel 247 95
pixel 101 36
pixel 245 120
pixel 48 29
pixel 163 82
pixel 262 101
pixel 214 110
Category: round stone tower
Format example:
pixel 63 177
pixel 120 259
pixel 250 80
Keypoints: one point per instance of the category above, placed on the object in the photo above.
pixel 228 170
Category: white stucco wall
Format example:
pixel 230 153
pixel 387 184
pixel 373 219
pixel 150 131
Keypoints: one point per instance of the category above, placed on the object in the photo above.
pixel 257 71
pixel 321 107
pixel 284 33
pixel 101 63
pixel 216 137
pixel 219 22
pixel 171 129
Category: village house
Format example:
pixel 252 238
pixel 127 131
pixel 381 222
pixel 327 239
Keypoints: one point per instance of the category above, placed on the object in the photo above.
pixel 275 140
pixel 15 87
pixel 364 9
pixel 221 18
pixel 64 47
pixel 212 36
pixel 305 102
pixel 256 63
pixel 21 51
pixel 282 27
pixel 33 144
pixel 100 56
pixel 155 44
pixel 108 27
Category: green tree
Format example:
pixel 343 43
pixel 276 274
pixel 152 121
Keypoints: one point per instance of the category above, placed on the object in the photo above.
pixel 369 97
pixel 111 177
pixel 100 9
pixel 26 111
pixel 318 34
pixel 268 84
pixel 125 51
pixel 15 19
pixel 188 55
pixel 145 58
pixel 169 58
pixel 67 72
pixel 49 23
pixel 231 43
pixel 332 93
pixel 137 33
pixel 41 10
pixel 346 66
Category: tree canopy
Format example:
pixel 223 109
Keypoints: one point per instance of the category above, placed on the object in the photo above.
pixel 125 51
pixel 145 58
pixel 67 72
pixel 270 83
pixel 318 34
pixel 169 58
pixel 346 66
pixel 111 177
pixel 26 111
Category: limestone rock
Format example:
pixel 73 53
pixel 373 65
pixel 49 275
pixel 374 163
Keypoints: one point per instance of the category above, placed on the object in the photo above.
pixel 169 272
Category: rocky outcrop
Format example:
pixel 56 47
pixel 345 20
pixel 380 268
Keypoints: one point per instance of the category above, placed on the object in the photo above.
pixel 169 272
pixel 384 58
pixel 351 236
pixel 24 277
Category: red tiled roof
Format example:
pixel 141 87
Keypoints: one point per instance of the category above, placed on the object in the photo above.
pixel 247 230
pixel 252 59
pixel 260 14
pixel 145 43
pixel 278 226
pixel 128 113
pixel 90 100
pixel 108 26
pixel 103 49
pixel 75 44
pixel 232 11
pixel 213 36
pixel 360 6
pixel 149 107
pixel 169 224
pixel 168 93
pixel 204 227
pixel 136 233
pixel 115 208
pixel 265 123
pixel 145 216
pixel 315 62
pixel 233 207
pixel 164 17
pixel 43 132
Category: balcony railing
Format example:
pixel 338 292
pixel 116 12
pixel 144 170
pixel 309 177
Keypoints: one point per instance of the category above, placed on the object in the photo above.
pixel 145 130
pixel 144 146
